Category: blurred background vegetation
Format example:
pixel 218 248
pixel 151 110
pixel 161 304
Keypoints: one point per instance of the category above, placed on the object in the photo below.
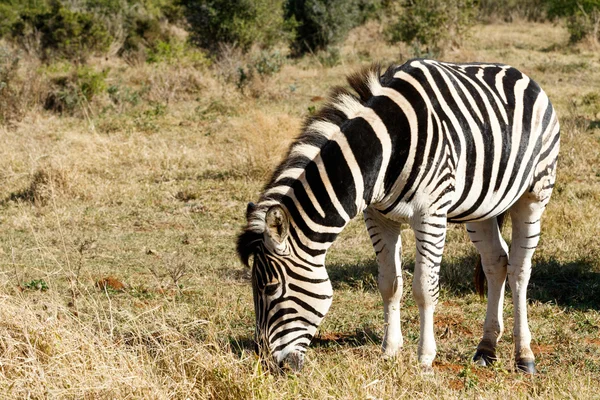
pixel 245 39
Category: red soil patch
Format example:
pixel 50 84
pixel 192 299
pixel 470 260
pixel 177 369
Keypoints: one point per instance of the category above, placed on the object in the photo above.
pixel 456 384
pixel 542 348
pixel 453 368
pixel 449 325
pixel 595 342
pixel 110 282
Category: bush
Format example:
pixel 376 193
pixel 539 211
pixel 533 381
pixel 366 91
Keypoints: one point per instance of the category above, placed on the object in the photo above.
pixel 583 17
pixel 242 23
pixel 508 10
pixel 431 26
pixel 74 92
pixel 321 23
pixel 60 33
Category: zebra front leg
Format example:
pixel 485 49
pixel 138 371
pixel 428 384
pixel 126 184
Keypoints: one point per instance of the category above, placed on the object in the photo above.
pixel 430 236
pixel 488 240
pixel 525 214
pixel 385 236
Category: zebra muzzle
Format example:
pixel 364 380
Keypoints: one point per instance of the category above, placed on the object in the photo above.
pixel 293 362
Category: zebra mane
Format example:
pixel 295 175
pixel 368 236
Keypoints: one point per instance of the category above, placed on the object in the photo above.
pixel 340 98
pixel 331 112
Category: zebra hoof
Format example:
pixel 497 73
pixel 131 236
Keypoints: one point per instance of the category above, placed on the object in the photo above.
pixel 484 358
pixel 526 366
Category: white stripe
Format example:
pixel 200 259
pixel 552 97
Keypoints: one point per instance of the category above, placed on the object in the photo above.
pixel 334 200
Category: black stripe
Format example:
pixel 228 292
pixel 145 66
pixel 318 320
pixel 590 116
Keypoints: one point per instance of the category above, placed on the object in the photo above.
pixel 308 293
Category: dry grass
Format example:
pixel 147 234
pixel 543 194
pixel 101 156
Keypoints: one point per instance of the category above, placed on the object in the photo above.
pixel 119 277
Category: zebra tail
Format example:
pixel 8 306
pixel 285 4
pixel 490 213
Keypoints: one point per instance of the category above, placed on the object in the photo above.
pixel 480 282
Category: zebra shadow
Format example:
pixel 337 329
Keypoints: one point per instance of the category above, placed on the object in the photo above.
pixel 456 274
pixel 366 335
pixel 574 284
pixel 242 345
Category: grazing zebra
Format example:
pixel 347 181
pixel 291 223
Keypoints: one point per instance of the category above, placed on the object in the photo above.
pixel 424 143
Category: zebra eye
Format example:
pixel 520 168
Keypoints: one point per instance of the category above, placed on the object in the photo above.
pixel 271 288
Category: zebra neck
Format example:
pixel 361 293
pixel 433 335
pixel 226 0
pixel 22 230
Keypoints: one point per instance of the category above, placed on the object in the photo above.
pixel 311 231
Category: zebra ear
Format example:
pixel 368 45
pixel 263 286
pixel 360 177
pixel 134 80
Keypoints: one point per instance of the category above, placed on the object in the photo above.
pixel 250 209
pixel 277 224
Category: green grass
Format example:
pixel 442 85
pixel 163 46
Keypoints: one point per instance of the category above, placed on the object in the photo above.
pixel 151 192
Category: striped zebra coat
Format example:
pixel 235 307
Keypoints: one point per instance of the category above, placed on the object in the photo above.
pixel 425 143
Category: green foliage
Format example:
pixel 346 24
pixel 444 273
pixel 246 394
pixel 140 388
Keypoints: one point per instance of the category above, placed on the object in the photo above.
pixel 268 63
pixel 320 23
pixel 237 22
pixel 36 284
pixel 566 8
pixel 583 17
pixel 509 10
pixel 430 26
pixel 60 33
pixel 123 95
pixel 74 91
pixel 10 12
pixel 143 35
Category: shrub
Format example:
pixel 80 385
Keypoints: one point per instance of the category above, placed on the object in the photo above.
pixel 320 23
pixel 268 63
pixel 60 33
pixel 74 92
pixel 508 10
pixel 583 17
pixel 143 35
pixel 242 23
pixel 431 26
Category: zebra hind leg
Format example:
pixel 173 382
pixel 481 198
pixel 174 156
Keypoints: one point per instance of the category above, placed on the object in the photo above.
pixel 487 238
pixel 385 236
pixel 525 214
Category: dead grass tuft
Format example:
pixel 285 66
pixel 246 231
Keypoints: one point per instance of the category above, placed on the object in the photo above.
pixel 46 183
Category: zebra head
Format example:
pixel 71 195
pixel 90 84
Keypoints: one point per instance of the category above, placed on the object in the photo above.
pixel 292 292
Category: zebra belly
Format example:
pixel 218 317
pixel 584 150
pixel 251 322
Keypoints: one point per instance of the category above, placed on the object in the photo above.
pixel 493 204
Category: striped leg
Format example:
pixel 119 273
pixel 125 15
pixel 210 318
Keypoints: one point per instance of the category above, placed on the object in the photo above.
pixel 385 236
pixel 486 236
pixel 430 236
pixel 525 214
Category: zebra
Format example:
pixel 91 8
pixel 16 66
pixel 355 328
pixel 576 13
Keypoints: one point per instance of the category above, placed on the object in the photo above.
pixel 425 143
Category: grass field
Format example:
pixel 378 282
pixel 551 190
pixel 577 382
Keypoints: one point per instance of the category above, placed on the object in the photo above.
pixel 119 277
